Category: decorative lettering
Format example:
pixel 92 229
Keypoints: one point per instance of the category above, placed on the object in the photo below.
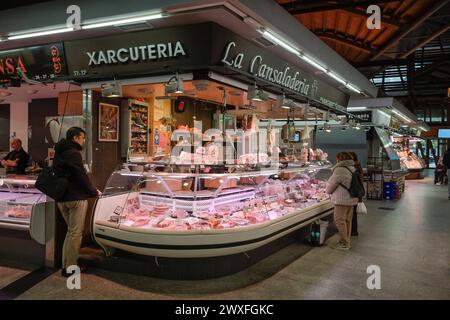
pixel 136 54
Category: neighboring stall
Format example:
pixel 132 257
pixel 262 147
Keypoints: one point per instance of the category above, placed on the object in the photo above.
pixel 388 118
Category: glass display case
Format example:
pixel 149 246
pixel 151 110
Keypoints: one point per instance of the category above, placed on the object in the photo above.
pixel 27 221
pixel 17 199
pixel 198 214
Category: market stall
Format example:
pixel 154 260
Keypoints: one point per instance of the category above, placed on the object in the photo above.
pixel 202 215
pixel 27 219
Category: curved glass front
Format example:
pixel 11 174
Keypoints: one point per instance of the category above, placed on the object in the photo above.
pixel 139 197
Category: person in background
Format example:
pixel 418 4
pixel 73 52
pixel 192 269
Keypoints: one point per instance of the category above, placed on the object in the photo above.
pixel 68 162
pixel 17 160
pixel 361 174
pixel 446 162
pixel 337 186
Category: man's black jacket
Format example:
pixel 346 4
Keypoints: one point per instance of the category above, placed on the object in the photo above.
pixel 68 161
pixel 446 160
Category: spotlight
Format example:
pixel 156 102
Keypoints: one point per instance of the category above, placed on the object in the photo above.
pixel 111 90
pixel 327 127
pixel 174 85
pixel 284 103
pixel 256 94
pixel 358 126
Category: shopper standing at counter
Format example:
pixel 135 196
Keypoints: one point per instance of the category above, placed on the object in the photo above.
pixel 446 163
pixel 17 160
pixel 343 203
pixel 361 175
pixel 68 162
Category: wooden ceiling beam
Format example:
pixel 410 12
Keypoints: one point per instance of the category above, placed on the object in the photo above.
pixel 362 13
pixel 300 7
pixel 345 41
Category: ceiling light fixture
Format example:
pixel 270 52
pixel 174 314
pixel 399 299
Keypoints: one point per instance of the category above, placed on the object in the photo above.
pixel 356 108
pixel 282 43
pixel 39 33
pixel 117 22
pixel 313 63
pixel 174 85
pixel 111 90
pixel 293 49
pixel 284 103
pixel 337 78
pixel 401 115
pixel 256 94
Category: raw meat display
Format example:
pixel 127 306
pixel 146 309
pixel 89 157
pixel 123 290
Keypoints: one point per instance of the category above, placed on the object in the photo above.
pixel 18 211
pixel 252 158
pixel 273 200
pixel 410 160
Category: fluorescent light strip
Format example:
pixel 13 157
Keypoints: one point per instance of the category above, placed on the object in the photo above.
pixel 122 21
pixel 337 78
pixel 313 63
pixel 280 42
pixel 38 34
pixel 353 88
pixel 356 108
pixel 401 115
pixel 272 37
pixel 384 113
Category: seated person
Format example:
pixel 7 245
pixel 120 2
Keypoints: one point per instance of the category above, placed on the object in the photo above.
pixel 17 160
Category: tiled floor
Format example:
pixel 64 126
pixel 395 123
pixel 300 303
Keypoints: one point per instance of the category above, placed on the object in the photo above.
pixel 410 244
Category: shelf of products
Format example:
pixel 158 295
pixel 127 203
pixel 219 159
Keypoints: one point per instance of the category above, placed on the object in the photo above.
pixel 198 215
pixel 139 127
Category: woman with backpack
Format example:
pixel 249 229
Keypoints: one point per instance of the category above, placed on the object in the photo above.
pixel 361 175
pixel 338 186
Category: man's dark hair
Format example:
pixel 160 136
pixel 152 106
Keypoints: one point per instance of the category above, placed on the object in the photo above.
pixel 74 132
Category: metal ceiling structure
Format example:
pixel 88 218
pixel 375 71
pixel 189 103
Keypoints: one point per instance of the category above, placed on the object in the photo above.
pixel 408 57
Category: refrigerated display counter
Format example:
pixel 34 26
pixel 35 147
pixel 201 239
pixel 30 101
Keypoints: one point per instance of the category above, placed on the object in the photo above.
pixel 197 215
pixel 27 220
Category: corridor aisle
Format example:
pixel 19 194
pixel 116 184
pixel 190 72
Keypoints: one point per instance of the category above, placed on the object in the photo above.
pixel 409 240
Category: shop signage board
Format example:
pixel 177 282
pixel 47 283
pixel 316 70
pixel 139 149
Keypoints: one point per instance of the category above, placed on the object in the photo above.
pixel 364 116
pixel 139 53
pixel 41 63
pixel 234 52
pixel 189 48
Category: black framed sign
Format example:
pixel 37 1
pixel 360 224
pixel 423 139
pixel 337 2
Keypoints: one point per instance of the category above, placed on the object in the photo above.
pixel 41 63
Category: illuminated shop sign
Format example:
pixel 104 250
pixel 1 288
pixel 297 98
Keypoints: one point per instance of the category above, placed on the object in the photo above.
pixel 246 57
pixel 39 63
pixel 136 54
pixel 194 47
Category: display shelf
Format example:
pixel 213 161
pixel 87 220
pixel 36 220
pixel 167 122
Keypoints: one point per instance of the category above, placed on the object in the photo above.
pixel 138 127
pixel 257 208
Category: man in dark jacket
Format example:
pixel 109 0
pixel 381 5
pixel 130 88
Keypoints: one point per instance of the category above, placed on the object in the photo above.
pixel 17 160
pixel 446 162
pixel 73 206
